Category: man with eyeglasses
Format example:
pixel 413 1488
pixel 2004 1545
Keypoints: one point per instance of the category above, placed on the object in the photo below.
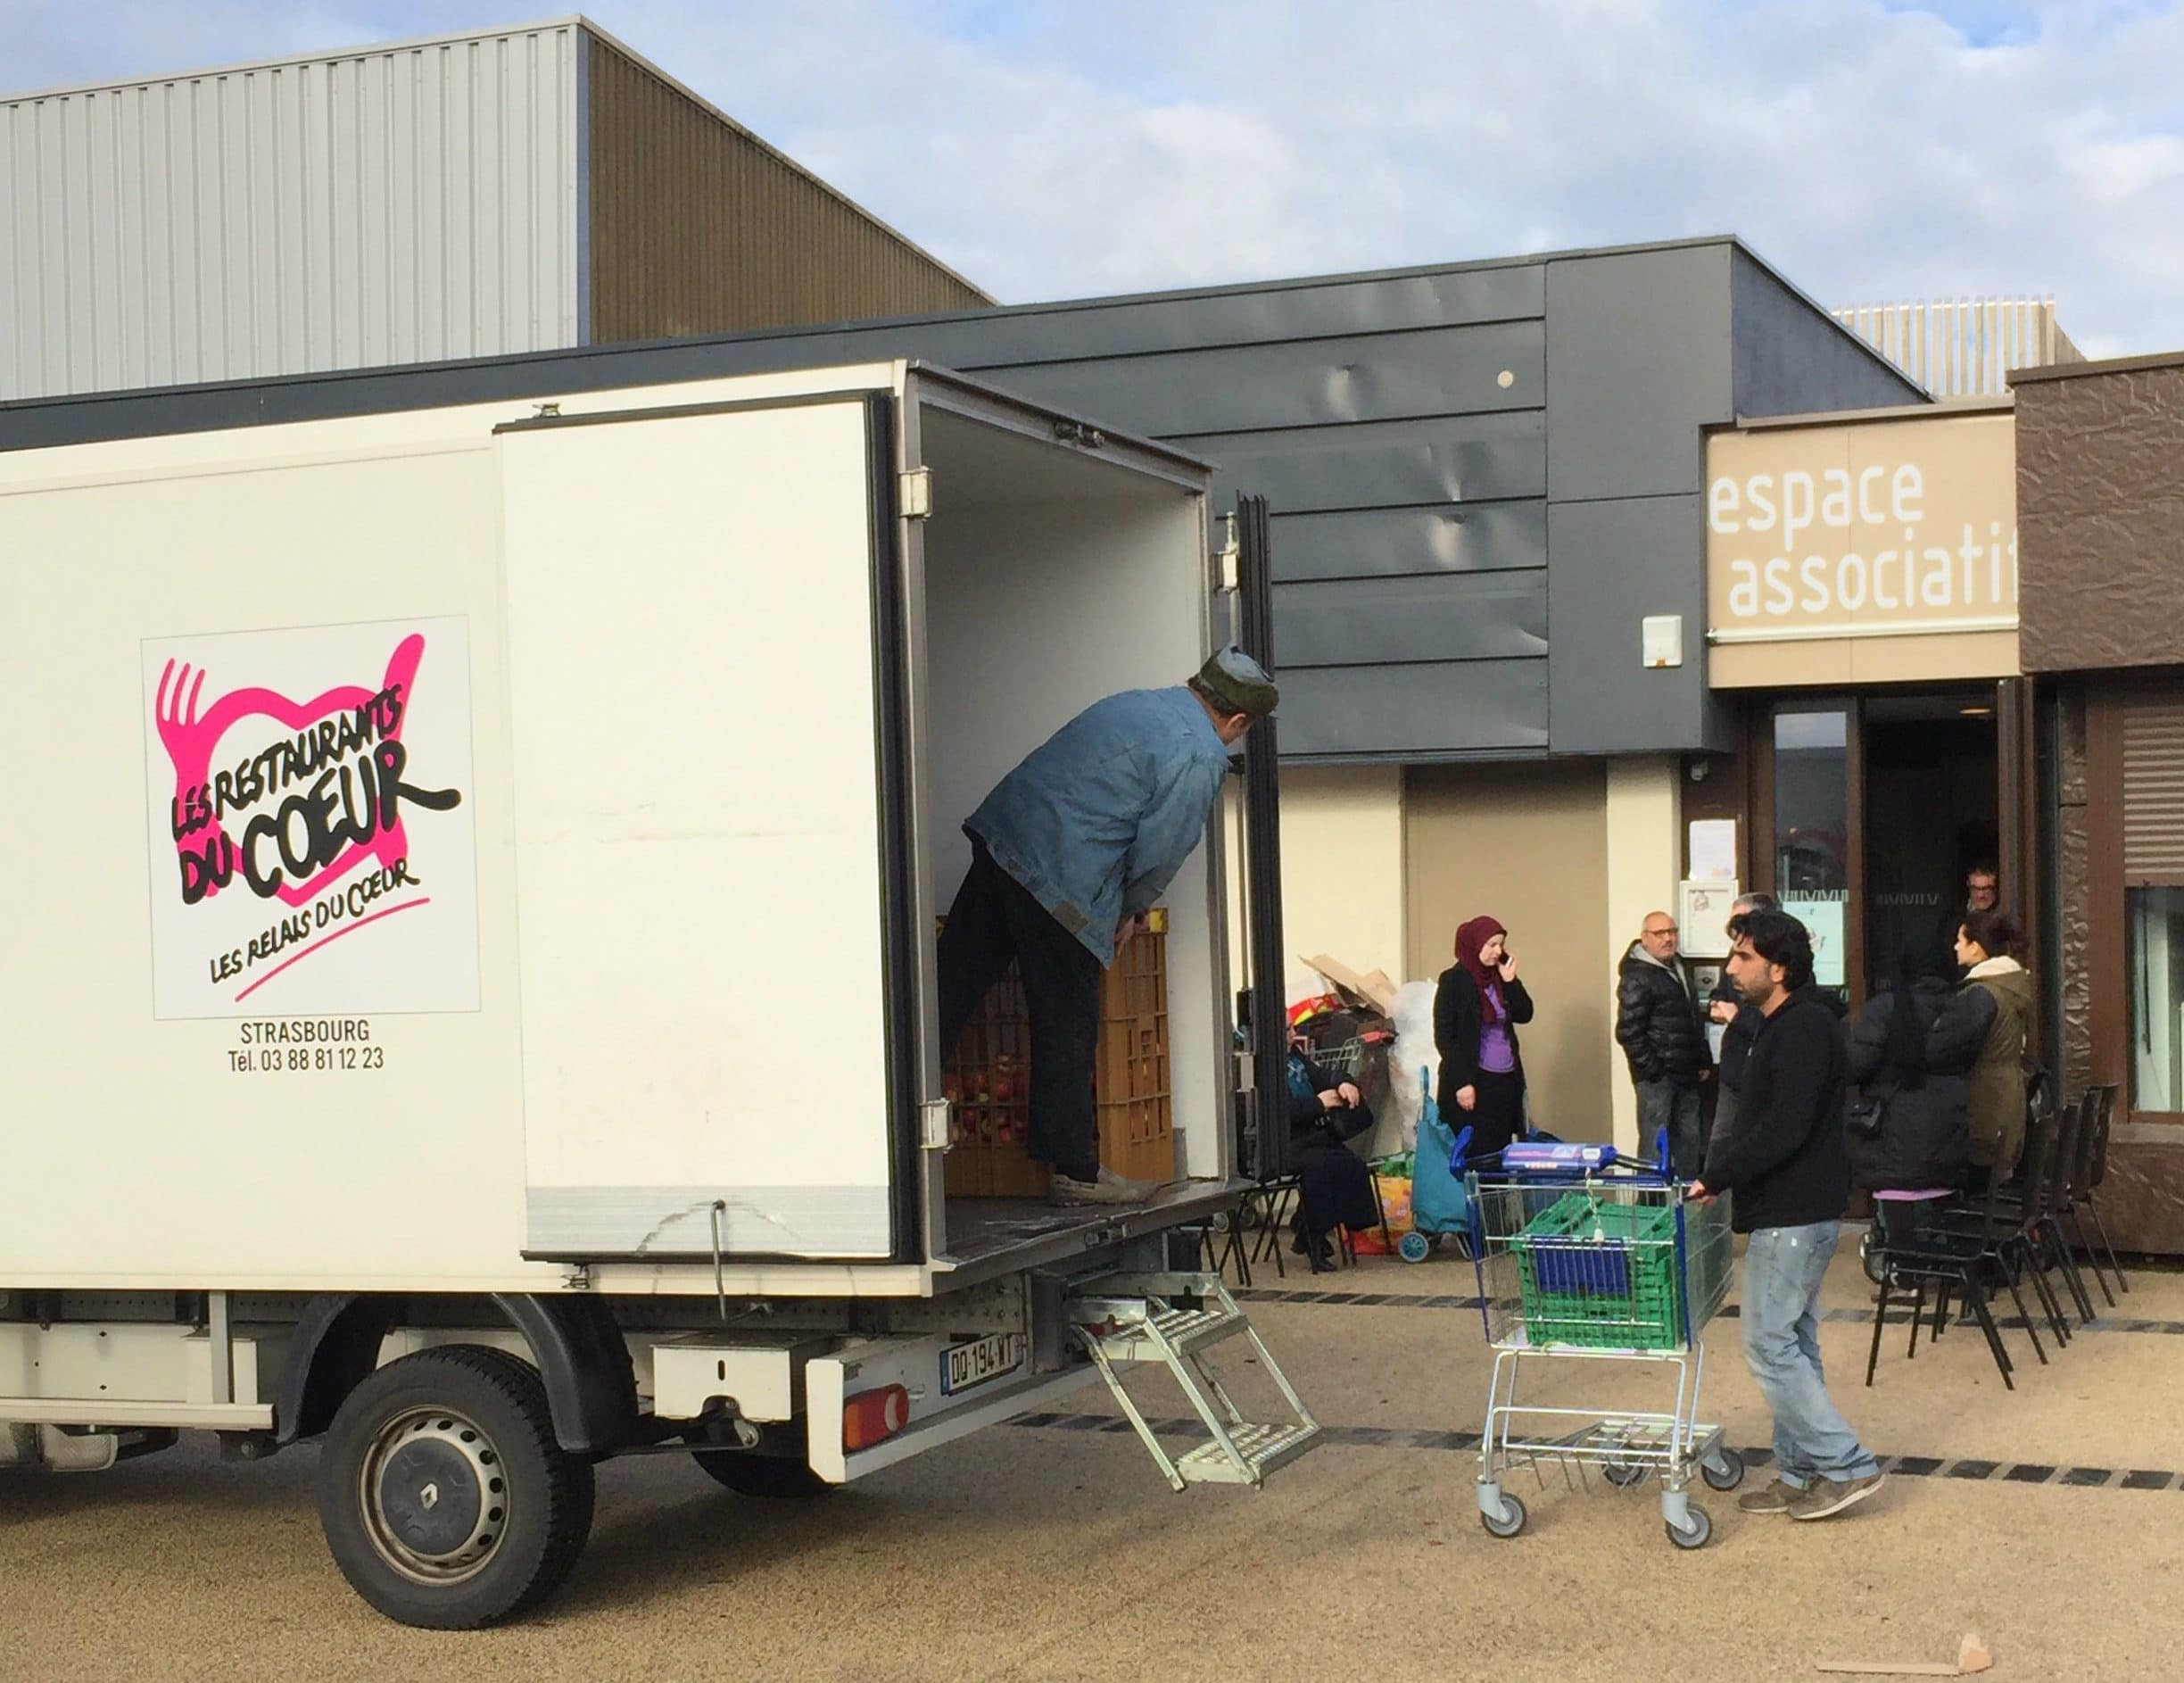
pixel 1658 1024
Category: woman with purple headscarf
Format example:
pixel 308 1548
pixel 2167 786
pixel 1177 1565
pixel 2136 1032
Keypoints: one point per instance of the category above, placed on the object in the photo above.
pixel 1477 1009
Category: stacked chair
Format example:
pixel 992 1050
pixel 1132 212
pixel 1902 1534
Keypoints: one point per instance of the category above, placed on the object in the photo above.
pixel 2013 1235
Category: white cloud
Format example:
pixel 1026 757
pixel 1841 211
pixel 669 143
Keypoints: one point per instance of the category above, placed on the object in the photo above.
pixel 1046 149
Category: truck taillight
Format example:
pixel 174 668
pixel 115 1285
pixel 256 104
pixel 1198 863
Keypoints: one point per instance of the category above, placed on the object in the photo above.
pixel 870 1416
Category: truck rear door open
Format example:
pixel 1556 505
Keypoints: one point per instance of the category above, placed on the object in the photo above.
pixel 709 861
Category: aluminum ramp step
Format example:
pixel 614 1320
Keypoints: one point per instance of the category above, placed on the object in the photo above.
pixel 1262 1449
pixel 1171 1319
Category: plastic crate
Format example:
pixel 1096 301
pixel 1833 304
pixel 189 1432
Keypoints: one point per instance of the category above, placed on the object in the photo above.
pixel 1600 1275
pixel 989 1077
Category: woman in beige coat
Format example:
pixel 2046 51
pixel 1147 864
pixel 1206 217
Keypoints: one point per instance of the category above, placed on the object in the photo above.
pixel 1986 946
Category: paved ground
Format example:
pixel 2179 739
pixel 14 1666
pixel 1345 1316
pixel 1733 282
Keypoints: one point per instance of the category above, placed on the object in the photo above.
pixel 2050 1520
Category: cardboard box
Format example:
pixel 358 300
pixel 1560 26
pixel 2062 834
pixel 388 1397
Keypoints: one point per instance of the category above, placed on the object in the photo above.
pixel 1372 991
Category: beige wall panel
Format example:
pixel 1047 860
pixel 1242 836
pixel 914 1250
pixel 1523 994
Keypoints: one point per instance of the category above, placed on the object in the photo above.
pixel 1833 661
pixel 1984 654
pixel 1528 843
pixel 1342 848
pixel 1779 665
pixel 1645 850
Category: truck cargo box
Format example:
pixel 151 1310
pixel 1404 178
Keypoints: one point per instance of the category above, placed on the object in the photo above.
pixel 499 846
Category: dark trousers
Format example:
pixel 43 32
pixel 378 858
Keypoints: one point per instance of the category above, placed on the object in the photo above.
pixel 1671 1105
pixel 995 920
pixel 1335 1189
pixel 1497 1119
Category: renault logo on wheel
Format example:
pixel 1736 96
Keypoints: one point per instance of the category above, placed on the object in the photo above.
pixel 429 1497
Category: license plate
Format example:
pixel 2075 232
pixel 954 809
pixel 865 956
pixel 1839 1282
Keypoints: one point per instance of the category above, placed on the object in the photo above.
pixel 965 1365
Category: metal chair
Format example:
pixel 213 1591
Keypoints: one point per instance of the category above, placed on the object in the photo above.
pixel 2075 1195
pixel 1949 1256
pixel 2030 1205
pixel 2094 1157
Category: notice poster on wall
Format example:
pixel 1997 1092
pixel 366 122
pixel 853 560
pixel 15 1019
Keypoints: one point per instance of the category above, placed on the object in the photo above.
pixel 1713 850
pixel 1824 920
pixel 1704 918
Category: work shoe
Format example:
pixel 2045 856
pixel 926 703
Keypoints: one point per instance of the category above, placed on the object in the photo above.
pixel 1110 1187
pixel 1833 1495
pixel 1777 1498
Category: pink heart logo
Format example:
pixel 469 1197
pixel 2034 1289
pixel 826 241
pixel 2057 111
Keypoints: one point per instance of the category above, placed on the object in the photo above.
pixel 342 745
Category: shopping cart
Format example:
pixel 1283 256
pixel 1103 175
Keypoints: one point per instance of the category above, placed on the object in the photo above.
pixel 1586 1256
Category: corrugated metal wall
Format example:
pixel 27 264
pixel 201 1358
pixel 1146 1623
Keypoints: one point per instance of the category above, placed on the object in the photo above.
pixel 399 205
pixel 697 227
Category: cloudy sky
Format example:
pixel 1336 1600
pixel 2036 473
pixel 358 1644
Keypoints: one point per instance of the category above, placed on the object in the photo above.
pixel 1875 150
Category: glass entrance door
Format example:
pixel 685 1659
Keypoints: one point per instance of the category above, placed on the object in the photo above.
pixel 1816 830
pixel 1933 798
pixel 1869 813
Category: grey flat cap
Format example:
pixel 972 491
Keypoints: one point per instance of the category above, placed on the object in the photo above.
pixel 1238 683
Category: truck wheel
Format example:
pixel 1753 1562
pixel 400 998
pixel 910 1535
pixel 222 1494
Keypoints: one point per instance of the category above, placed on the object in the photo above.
pixel 781 1478
pixel 446 1501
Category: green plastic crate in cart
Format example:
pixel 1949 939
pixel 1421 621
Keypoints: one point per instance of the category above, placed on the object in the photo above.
pixel 1602 1274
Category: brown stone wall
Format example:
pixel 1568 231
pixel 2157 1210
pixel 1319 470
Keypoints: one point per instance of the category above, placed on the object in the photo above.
pixel 2100 519
pixel 2075 900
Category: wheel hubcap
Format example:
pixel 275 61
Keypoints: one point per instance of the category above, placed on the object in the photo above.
pixel 435 1496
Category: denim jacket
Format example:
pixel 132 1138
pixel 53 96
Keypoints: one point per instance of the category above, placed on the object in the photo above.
pixel 1095 822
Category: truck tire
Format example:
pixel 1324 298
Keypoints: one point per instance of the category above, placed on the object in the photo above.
pixel 780 1478
pixel 445 1499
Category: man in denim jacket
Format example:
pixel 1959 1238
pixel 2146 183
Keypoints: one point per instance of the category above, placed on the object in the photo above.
pixel 1067 855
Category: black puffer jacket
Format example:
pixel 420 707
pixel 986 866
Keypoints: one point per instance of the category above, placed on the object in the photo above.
pixel 1657 1022
pixel 1925 1133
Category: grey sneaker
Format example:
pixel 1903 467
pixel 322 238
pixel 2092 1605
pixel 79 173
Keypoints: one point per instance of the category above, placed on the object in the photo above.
pixel 1833 1495
pixel 1777 1498
pixel 1109 1189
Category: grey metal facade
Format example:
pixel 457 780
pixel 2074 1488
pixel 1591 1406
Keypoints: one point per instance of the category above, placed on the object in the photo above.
pixel 1482 476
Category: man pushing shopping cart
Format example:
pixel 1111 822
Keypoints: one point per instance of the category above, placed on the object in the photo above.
pixel 1787 1165
pixel 1581 1254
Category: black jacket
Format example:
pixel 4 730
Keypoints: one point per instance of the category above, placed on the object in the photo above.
pixel 1658 1022
pixel 1737 1033
pixel 1311 1122
pixel 1456 1012
pixel 1786 1159
pixel 1925 1132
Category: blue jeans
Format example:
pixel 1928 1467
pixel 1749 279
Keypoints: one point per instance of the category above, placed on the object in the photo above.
pixel 1784 1267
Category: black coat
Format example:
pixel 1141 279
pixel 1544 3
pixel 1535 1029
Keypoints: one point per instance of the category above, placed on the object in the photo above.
pixel 1311 1123
pixel 1457 1012
pixel 1658 1022
pixel 1737 1033
pixel 1925 1133
pixel 1787 1159
pixel 1336 1184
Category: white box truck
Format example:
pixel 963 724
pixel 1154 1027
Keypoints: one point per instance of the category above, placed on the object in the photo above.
pixel 484 1018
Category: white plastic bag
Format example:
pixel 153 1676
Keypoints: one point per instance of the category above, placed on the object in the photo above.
pixel 1413 1051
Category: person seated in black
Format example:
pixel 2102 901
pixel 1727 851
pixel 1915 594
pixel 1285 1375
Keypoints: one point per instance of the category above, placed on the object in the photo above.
pixel 1326 1113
